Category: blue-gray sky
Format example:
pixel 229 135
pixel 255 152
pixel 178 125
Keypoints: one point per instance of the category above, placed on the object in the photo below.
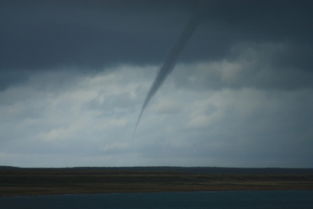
pixel 74 74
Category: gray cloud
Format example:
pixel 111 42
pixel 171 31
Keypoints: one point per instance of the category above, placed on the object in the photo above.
pixel 252 65
pixel 89 122
pixel 44 36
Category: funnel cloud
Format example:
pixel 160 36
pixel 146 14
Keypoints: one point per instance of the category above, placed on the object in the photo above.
pixel 169 64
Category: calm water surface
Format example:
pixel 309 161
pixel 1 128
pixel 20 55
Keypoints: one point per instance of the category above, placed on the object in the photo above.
pixel 179 200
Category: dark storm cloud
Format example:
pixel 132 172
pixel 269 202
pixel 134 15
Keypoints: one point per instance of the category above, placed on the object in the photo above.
pixel 47 35
pixel 44 35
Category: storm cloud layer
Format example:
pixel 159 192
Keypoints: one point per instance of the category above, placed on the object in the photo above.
pixel 44 35
pixel 73 76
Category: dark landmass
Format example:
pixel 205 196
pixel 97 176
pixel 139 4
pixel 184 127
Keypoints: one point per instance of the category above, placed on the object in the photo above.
pixel 39 181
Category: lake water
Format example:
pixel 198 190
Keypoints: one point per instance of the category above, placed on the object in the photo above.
pixel 164 200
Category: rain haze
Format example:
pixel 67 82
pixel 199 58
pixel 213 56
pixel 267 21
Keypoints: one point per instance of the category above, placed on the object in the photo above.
pixel 74 76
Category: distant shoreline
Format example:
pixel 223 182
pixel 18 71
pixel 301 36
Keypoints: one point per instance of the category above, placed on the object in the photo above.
pixel 49 181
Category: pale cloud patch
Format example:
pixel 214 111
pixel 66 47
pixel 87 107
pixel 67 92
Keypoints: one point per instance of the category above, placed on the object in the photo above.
pixel 91 121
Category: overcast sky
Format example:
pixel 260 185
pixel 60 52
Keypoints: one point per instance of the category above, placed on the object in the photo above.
pixel 74 75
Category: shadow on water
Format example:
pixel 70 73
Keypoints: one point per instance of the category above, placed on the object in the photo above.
pixel 164 200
